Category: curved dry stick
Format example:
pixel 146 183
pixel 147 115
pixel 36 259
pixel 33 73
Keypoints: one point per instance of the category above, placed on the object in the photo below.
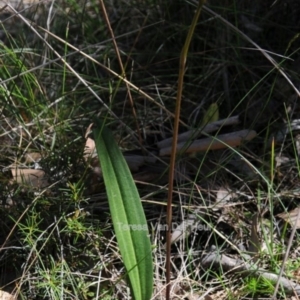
pixel 216 260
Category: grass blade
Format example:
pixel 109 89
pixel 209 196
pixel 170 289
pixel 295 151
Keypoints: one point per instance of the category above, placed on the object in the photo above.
pixel 127 214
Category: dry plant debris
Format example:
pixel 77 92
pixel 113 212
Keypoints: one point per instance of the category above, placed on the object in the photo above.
pixel 6 296
pixel 60 212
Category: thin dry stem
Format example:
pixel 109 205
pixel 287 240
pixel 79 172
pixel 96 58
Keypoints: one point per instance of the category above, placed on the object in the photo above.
pixel 183 57
pixel 106 18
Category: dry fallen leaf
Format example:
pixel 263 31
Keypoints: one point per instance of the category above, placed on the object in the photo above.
pixel 183 230
pixel 224 196
pixel 90 149
pixel 31 177
pixel 6 296
pixel 32 157
pixel 291 217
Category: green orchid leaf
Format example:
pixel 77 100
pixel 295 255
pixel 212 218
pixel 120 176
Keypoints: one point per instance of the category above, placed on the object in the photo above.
pixel 127 214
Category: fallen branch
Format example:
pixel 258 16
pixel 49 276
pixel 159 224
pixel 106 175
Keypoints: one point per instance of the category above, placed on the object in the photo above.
pixel 232 139
pixel 192 134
